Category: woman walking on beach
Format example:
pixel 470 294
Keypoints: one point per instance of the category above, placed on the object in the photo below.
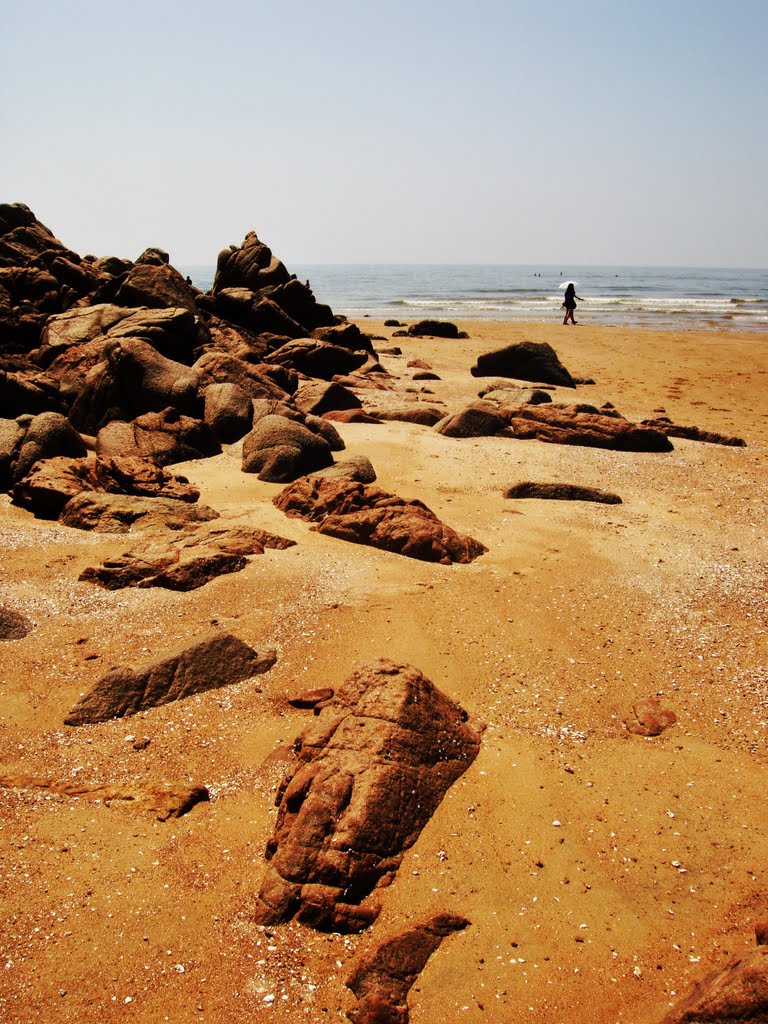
pixel 569 302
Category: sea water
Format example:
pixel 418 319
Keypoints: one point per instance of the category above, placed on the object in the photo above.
pixel 671 297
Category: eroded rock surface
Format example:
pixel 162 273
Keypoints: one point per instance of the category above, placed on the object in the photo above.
pixel 738 994
pixel 648 718
pixel 383 979
pixel 666 426
pixel 214 661
pixel 364 514
pixel 370 773
pixel 586 425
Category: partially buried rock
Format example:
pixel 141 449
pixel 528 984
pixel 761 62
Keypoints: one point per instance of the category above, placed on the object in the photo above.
pixel 117 513
pixel 279 450
pixel 737 994
pixel 583 424
pixel 648 718
pixel 371 771
pixel 524 360
pixel 561 492
pixel 435 329
pixel 213 662
pixel 383 978
pixel 13 625
pixel 365 514
pixel 671 429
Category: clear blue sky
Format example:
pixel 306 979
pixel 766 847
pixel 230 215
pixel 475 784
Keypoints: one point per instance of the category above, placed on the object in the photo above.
pixel 405 132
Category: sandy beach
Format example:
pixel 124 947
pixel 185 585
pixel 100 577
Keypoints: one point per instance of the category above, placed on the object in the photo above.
pixel 602 872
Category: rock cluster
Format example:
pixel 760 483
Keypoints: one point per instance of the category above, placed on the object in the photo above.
pixel 370 772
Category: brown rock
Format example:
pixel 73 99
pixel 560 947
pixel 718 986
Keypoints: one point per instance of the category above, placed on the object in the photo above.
pixel 561 492
pixel 586 425
pixel 311 698
pixel 48 435
pixel 424 415
pixel 371 771
pixel 738 994
pixel 250 265
pixel 435 329
pixel 524 360
pixel 118 513
pixel 383 978
pixel 666 426
pixel 280 450
pixel 164 438
pixel 319 397
pixel 14 625
pixel 364 514
pixel 648 718
pixel 214 661
pixel 471 422
pixel 317 359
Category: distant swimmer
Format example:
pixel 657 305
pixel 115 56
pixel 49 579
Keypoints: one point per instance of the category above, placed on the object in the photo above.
pixel 569 302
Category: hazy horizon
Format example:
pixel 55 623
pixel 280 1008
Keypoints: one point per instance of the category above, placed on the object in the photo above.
pixel 495 132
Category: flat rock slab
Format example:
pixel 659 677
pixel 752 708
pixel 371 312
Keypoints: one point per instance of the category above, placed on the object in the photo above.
pixel 585 425
pixel 364 514
pixel 118 513
pixel 164 799
pixel 214 661
pixel 188 559
pixel 370 772
pixel 561 492
pixel 382 979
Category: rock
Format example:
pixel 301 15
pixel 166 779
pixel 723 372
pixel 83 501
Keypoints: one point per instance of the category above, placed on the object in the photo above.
pixel 351 416
pixel 364 514
pixel 51 483
pixel 393 323
pixel 509 399
pixel 311 698
pixel 664 424
pixel 761 932
pixel 185 559
pixel 212 662
pixel 358 467
pixel 383 978
pixel 49 434
pixel 156 285
pixel 737 994
pixel 435 329
pixel 118 513
pixel 317 358
pixel 133 379
pixel 524 360
pixel 648 718
pixel 163 438
pixel 418 364
pixel 28 390
pixel 228 412
pixel 424 415
pixel 14 625
pixel 238 342
pixel 324 428
pixel 298 301
pixel 561 492
pixel 471 422
pixel 11 435
pixel 346 335
pixel 280 450
pixel 320 397
pixel 221 368
pixel 585 425
pixel 370 772
pixel 426 375
pixel 165 800
pixel 250 265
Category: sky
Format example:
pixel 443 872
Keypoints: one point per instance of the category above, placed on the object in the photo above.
pixel 348 131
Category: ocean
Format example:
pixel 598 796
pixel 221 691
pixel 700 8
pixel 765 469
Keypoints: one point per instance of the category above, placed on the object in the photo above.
pixel 666 297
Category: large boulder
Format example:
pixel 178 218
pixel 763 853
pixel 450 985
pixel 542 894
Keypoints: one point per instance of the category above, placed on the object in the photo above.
pixel 370 773
pixel 250 265
pixel 48 434
pixel 228 411
pixel 132 379
pixel 222 368
pixel 317 358
pixel 214 661
pixel 280 450
pixel 163 437
pixel 156 285
pixel 364 514
pixel 320 397
pixel 524 360
pixel 25 389
pixel 11 435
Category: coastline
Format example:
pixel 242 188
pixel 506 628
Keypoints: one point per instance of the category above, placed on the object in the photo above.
pixel 602 872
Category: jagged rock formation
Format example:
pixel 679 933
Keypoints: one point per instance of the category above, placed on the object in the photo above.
pixel 370 773
pixel 383 978
pixel 214 661
pixel 363 514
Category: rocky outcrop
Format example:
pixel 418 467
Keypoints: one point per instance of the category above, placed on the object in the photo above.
pixel 14 625
pixel 585 425
pixel 648 718
pixel 51 483
pixel 561 492
pixel 214 661
pixel 250 265
pixel 364 514
pixel 186 558
pixel 279 450
pixel 737 994
pixel 163 438
pixel 525 360
pixel 666 426
pixel 370 773
pixel 383 978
